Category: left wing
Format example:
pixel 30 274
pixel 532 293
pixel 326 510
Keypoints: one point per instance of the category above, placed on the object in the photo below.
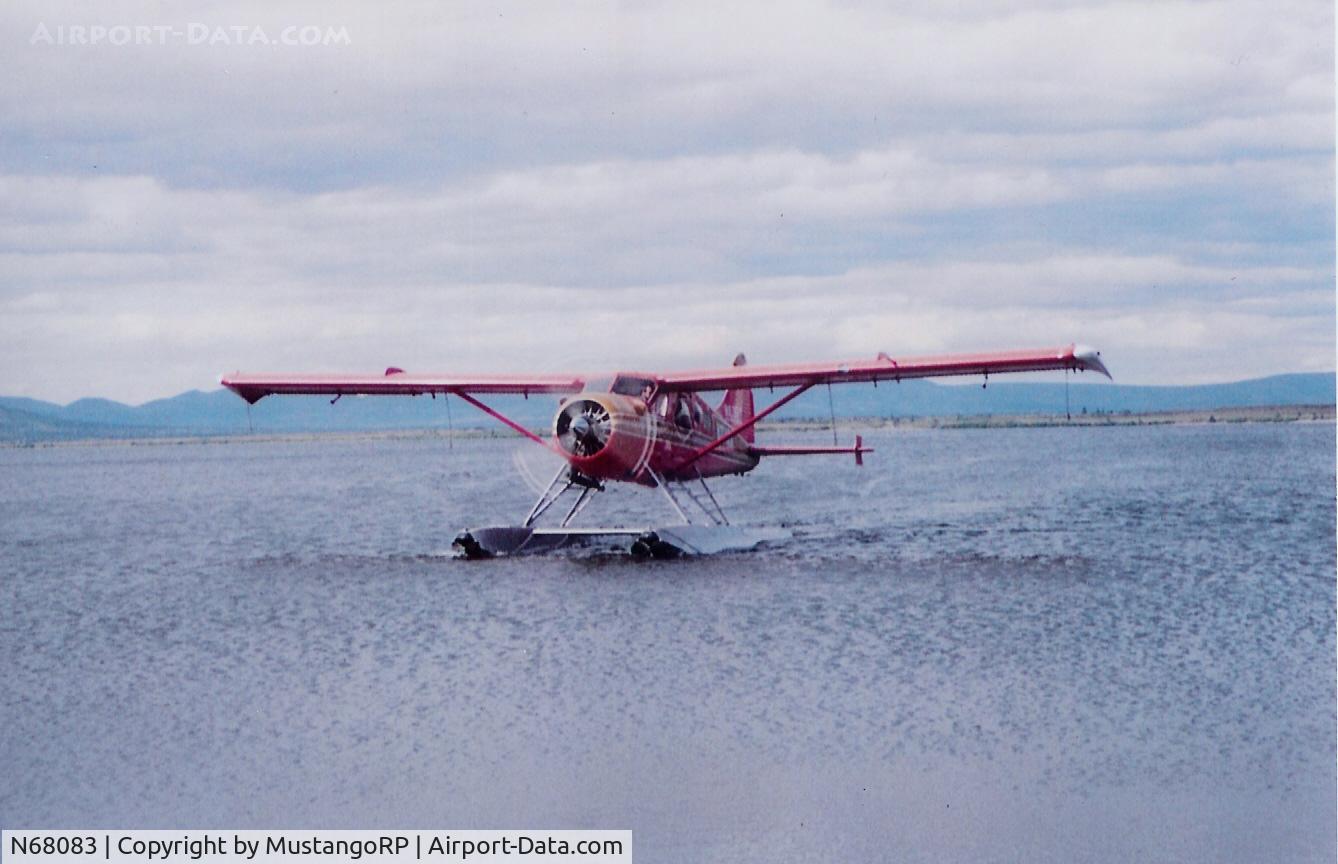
pixel 395 382
pixel 885 368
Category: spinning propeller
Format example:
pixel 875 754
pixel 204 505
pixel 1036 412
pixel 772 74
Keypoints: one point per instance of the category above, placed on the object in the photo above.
pixel 583 427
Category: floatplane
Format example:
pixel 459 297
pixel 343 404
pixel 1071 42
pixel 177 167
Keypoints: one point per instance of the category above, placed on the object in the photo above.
pixel 655 431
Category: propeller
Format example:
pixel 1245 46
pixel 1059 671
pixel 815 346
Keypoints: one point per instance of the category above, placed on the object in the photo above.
pixel 583 427
pixel 536 465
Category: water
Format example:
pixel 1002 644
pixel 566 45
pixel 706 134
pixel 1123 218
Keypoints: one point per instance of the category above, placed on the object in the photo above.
pixel 1096 644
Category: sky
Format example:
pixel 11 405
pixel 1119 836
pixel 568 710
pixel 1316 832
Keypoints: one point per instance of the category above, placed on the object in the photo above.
pixel 514 187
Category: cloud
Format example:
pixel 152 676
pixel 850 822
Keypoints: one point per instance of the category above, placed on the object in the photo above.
pixel 505 186
pixel 444 92
pixel 189 283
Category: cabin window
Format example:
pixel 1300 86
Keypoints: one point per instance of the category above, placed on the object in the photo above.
pixel 628 385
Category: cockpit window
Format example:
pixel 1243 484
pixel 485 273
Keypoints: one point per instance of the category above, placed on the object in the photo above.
pixel 628 385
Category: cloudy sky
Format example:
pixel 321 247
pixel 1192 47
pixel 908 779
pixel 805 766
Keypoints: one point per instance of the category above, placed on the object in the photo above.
pixel 555 187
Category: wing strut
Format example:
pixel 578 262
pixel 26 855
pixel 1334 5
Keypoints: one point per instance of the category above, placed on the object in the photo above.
pixel 499 416
pixel 450 424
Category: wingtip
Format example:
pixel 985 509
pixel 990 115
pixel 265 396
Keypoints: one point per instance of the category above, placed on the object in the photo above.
pixel 252 395
pixel 1090 358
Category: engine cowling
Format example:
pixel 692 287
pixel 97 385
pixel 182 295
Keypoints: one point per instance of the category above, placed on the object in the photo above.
pixel 605 435
pixel 583 427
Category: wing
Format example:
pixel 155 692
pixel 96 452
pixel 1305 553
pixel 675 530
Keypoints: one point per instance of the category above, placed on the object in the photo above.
pixel 884 368
pixel 395 382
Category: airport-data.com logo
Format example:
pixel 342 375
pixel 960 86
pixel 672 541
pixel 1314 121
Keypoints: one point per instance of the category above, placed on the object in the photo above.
pixel 195 33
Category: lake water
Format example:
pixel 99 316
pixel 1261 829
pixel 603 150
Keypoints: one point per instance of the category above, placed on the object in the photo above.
pixel 1066 644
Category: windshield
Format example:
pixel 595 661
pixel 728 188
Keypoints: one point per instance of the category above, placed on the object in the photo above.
pixel 632 385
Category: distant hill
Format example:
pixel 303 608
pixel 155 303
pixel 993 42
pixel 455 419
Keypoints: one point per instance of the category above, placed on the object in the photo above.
pixel 220 412
pixel 929 399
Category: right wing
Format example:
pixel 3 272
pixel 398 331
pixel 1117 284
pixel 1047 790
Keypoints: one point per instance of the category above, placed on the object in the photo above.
pixel 394 382
pixel 885 368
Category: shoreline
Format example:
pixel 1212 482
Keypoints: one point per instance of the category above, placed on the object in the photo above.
pixel 1253 414
pixel 1259 414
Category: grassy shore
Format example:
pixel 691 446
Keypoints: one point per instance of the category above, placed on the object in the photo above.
pixel 1261 414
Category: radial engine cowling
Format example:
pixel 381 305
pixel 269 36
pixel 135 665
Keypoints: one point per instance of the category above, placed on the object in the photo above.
pixel 583 427
pixel 605 435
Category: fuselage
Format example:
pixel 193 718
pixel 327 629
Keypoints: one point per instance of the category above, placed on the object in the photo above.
pixel 632 430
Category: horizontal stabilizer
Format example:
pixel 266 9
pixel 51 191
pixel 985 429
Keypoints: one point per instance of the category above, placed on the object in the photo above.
pixel 858 449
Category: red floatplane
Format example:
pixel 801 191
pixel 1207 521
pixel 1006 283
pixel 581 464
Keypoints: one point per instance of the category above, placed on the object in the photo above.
pixel 655 430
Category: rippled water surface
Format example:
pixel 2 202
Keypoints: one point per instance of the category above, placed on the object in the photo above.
pixel 1098 644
